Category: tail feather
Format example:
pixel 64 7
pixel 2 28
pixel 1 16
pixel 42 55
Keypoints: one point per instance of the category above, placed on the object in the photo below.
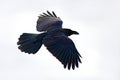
pixel 30 43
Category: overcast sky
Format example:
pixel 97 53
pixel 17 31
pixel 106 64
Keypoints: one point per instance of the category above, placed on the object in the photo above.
pixel 97 21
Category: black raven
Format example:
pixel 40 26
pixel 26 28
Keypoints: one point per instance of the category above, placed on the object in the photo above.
pixel 54 37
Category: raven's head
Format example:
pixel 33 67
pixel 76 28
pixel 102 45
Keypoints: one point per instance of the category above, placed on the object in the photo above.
pixel 69 32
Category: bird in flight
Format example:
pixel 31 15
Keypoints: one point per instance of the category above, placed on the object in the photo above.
pixel 55 39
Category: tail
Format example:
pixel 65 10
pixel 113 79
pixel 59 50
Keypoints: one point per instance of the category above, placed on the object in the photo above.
pixel 30 43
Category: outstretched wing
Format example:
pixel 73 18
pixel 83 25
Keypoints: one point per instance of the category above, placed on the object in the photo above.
pixel 64 50
pixel 48 21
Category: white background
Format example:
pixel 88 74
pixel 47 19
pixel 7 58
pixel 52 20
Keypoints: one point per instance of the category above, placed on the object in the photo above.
pixel 97 21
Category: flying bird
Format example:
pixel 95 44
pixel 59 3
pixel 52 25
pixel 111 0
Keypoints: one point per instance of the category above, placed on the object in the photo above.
pixel 55 39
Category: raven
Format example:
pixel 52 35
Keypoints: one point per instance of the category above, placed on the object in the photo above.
pixel 54 37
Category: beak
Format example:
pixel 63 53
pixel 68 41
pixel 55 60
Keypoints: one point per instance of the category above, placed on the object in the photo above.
pixel 75 32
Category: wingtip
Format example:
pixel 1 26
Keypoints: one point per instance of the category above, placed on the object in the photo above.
pixel 49 13
pixel 54 14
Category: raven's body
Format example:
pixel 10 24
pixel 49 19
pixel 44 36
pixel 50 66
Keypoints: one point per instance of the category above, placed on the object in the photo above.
pixel 54 38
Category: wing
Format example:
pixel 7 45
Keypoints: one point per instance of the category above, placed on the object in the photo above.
pixel 64 50
pixel 48 21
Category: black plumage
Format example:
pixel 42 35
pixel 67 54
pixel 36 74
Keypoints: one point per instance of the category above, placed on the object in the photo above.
pixel 54 37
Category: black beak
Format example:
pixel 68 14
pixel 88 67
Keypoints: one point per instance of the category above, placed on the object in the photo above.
pixel 75 32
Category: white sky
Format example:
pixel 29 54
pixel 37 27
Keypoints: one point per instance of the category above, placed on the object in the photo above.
pixel 97 21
